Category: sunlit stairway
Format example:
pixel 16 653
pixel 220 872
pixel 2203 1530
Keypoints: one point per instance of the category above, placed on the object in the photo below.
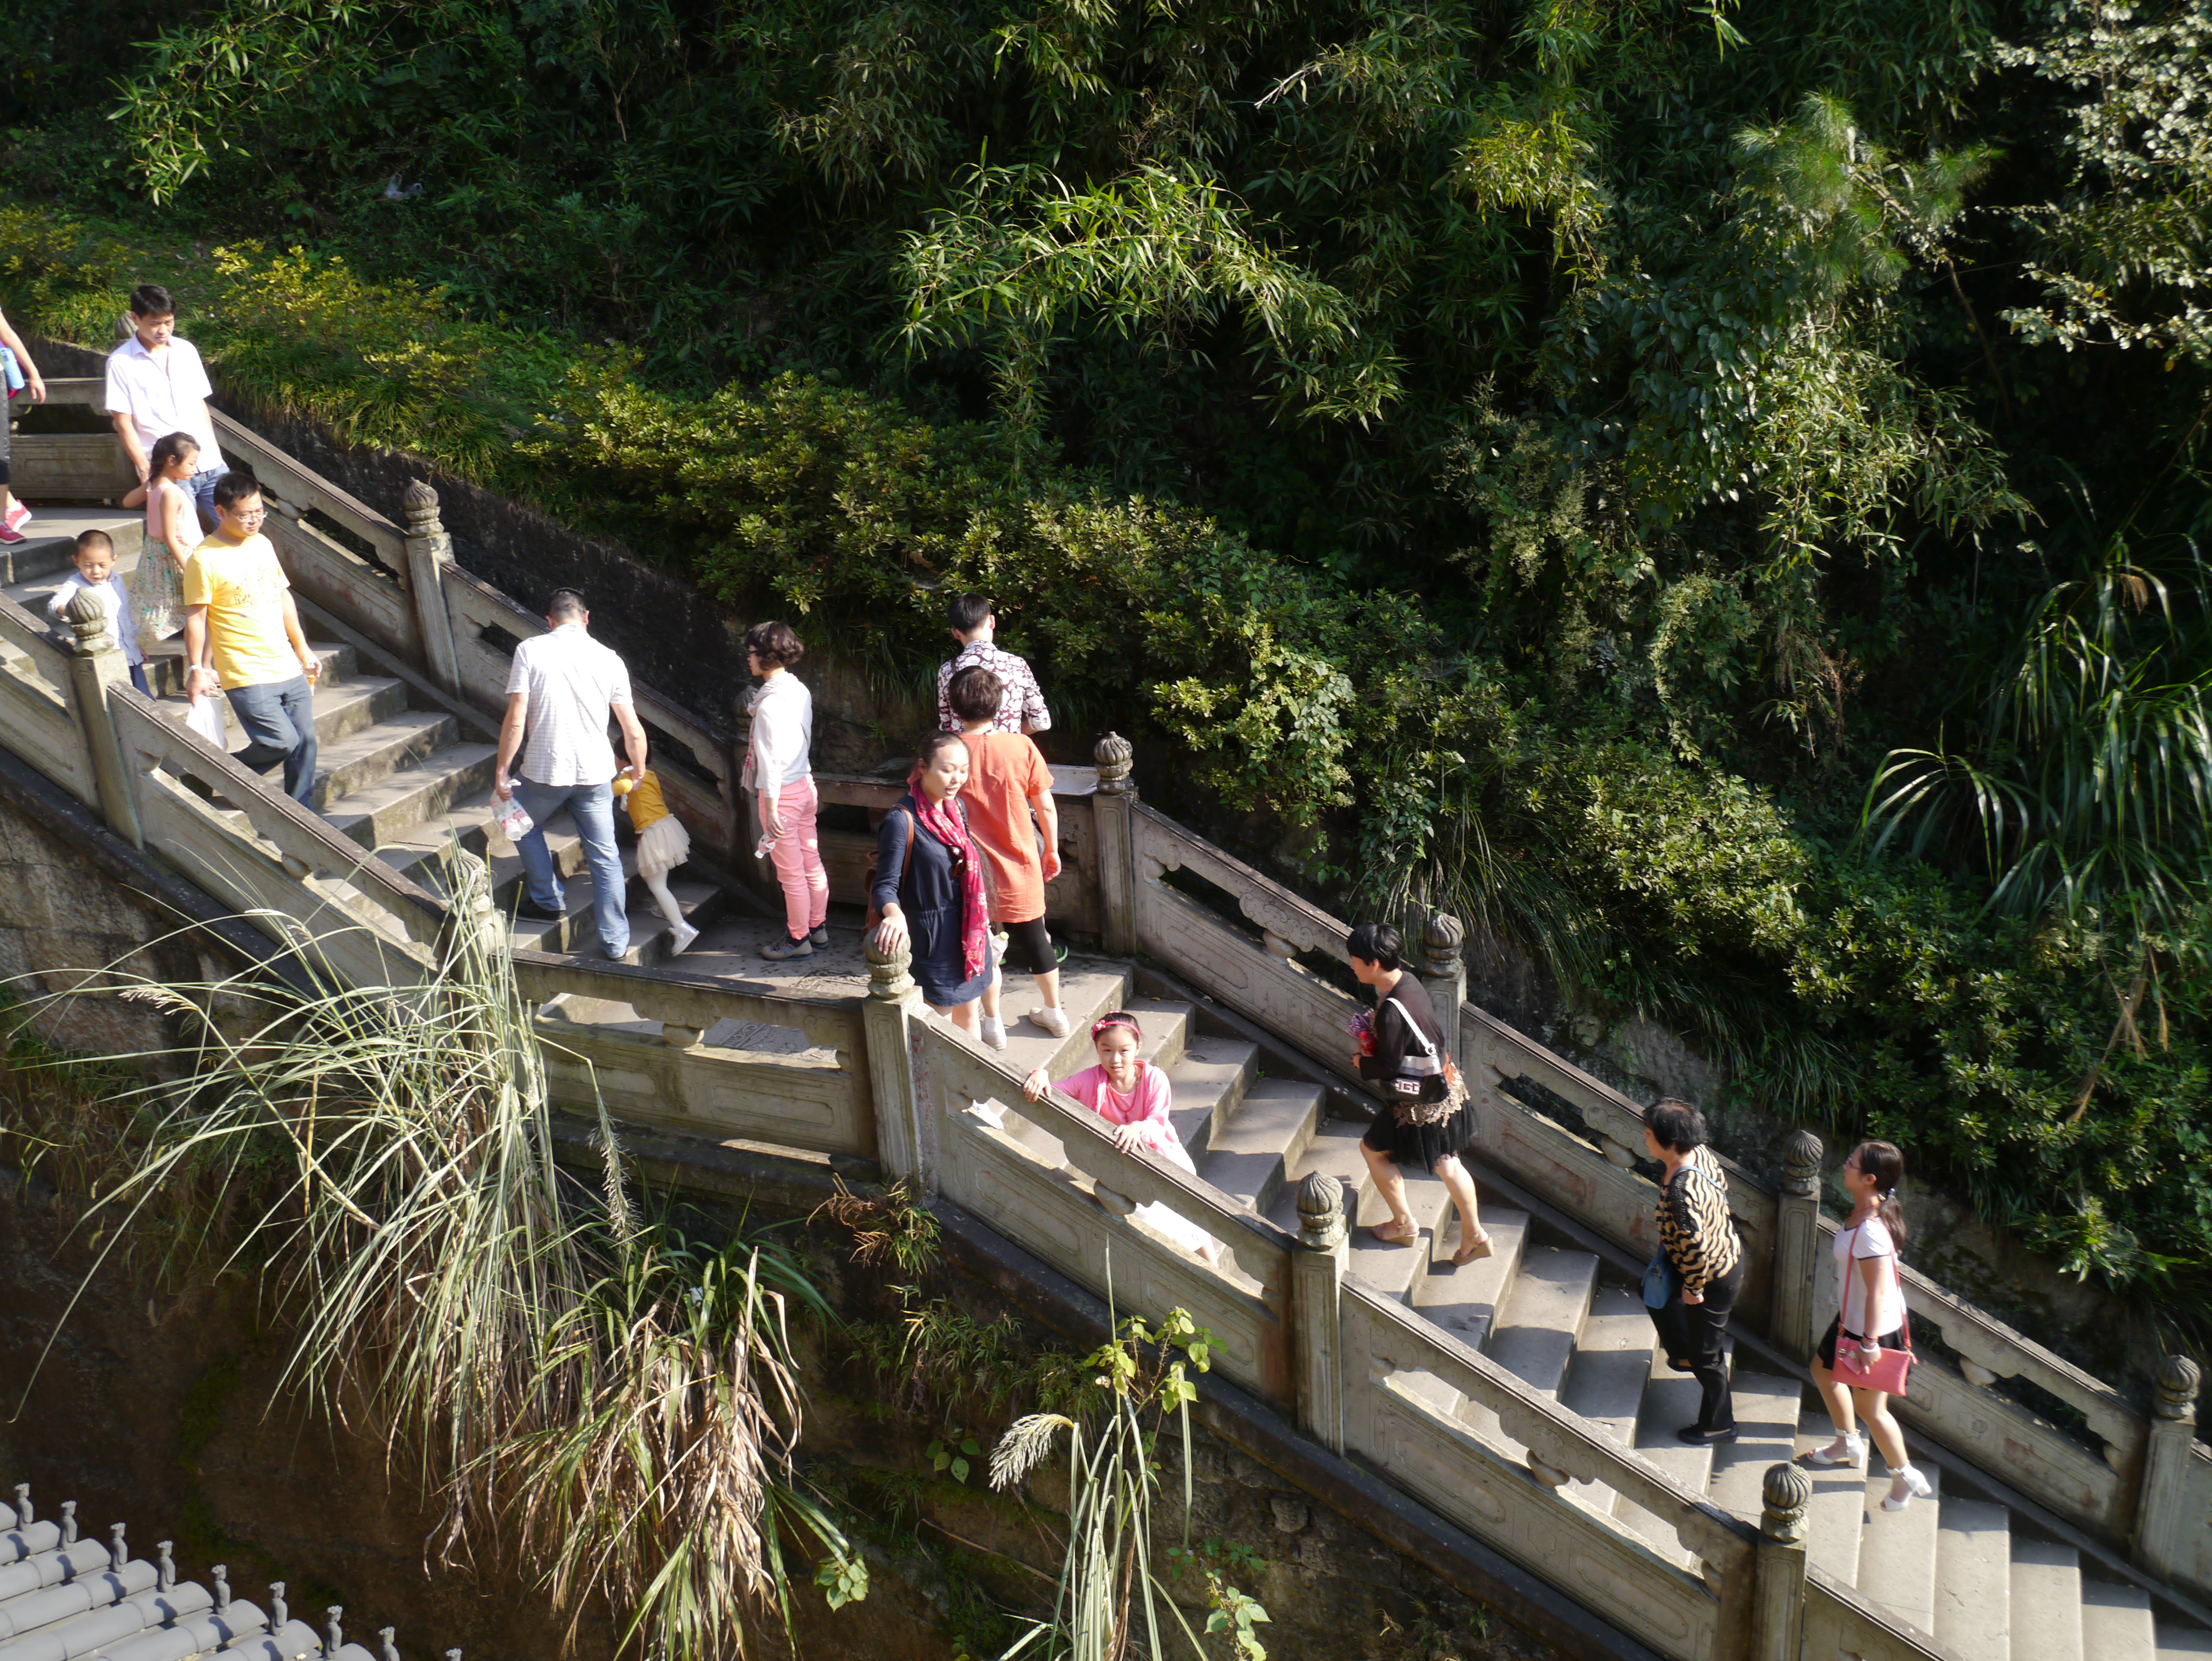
pixel 395 772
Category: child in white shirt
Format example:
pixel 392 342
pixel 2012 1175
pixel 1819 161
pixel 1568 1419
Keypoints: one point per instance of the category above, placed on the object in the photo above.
pixel 96 571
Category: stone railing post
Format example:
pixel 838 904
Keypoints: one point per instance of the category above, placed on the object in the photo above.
pixel 94 667
pixel 429 552
pixel 1317 1266
pixel 1444 973
pixel 1117 860
pixel 1796 1248
pixel 2165 1533
pixel 1778 1625
pixel 887 1020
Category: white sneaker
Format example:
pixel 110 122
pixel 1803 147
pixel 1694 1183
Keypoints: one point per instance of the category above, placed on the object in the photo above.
pixel 1916 1486
pixel 1053 1021
pixel 683 933
pixel 994 1031
pixel 1849 1450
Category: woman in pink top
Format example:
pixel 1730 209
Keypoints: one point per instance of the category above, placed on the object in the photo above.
pixel 1134 1097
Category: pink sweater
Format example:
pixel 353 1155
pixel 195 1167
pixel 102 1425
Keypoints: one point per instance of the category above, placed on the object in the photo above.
pixel 1146 1106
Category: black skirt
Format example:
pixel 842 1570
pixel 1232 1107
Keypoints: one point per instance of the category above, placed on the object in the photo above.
pixel 1420 1144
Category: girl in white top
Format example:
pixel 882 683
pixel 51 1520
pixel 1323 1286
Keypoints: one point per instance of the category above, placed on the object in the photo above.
pixel 776 768
pixel 1871 1318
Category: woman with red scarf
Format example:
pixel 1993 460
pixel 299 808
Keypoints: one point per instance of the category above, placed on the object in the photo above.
pixel 929 884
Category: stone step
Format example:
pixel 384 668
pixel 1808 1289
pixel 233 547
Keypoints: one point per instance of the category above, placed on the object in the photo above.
pixel 2046 1601
pixel 372 754
pixel 2179 1643
pixel 1604 1379
pixel 1089 987
pixel 410 795
pixel 2116 1623
pixel 1210 1079
pixel 1391 1269
pixel 1535 1333
pixel 1250 1157
pixel 1768 1434
pixel 1835 1518
pixel 651 938
pixel 1896 1550
pixel 345 706
pixel 1465 1301
pixel 1973 1579
pixel 49 546
pixel 1670 1402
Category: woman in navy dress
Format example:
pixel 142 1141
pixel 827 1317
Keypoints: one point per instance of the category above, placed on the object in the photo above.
pixel 929 884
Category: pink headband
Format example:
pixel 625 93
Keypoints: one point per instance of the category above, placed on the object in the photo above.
pixel 1115 1017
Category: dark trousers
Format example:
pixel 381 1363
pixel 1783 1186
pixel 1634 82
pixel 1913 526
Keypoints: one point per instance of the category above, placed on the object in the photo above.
pixel 1692 1333
pixel 279 719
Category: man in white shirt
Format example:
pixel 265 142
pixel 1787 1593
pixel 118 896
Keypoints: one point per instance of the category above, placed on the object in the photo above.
pixel 559 694
pixel 156 386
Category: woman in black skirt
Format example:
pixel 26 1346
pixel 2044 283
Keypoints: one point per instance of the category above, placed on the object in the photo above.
pixel 1408 1058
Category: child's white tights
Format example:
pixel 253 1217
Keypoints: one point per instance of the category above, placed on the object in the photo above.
pixel 664 903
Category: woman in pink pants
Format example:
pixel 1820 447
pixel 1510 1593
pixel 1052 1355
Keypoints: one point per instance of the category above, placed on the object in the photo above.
pixel 776 766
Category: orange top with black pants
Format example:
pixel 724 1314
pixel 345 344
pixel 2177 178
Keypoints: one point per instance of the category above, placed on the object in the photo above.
pixel 1006 774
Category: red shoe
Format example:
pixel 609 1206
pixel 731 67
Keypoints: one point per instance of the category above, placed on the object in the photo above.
pixel 9 537
pixel 18 515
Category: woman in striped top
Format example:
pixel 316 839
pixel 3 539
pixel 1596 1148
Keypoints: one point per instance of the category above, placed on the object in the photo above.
pixel 1706 1258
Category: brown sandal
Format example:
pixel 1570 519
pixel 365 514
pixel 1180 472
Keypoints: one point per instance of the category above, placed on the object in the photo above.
pixel 1480 1247
pixel 1388 1235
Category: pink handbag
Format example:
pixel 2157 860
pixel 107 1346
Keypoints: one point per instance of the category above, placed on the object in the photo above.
pixel 1890 1372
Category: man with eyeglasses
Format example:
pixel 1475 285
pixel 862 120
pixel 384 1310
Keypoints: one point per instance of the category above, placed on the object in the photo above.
pixel 242 633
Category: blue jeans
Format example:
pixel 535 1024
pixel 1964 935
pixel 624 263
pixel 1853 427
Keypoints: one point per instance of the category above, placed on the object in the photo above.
pixel 202 486
pixel 279 719
pixel 593 808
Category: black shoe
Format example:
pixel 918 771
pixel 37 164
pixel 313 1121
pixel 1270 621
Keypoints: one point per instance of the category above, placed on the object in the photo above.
pixel 1704 1439
pixel 534 912
pixel 1678 1367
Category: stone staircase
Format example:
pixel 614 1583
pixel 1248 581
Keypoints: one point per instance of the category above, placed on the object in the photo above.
pixel 395 776
pixel 1976 1572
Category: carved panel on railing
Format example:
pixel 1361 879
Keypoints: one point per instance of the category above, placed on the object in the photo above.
pixel 1838 1622
pixel 1049 1212
pixel 1516 1498
pixel 42 727
pixel 346 586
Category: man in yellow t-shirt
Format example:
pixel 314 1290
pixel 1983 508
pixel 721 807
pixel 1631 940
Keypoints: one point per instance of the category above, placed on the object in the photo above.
pixel 242 632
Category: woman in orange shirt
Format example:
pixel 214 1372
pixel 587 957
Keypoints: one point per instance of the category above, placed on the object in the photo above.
pixel 1007 781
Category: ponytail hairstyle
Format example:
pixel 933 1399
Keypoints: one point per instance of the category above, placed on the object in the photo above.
pixel 1886 1165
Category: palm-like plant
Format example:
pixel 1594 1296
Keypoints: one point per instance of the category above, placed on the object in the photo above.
pixel 2087 798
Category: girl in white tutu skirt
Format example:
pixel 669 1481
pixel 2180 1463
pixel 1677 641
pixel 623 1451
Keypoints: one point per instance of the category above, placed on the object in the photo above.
pixel 663 844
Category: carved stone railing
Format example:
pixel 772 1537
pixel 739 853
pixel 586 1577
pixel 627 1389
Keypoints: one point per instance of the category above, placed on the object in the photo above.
pixel 1576 1143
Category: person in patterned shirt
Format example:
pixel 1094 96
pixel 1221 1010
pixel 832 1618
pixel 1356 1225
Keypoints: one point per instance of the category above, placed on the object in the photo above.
pixel 1021 705
pixel 1706 1257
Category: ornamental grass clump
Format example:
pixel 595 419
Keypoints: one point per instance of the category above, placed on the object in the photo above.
pixel 627 1402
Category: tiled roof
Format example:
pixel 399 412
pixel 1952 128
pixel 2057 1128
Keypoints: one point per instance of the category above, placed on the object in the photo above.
pixel 66 1599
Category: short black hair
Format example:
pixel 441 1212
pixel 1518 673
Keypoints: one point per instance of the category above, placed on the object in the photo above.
pixel 1377 943
pixel 970 611
pixel 233 486
pixel 975 693
pixel 779 647
pixel 1677 1124
pixel 566 603
pixel 87 540
pixel 152 300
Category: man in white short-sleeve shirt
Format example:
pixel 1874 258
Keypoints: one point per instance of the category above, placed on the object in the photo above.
pixel 156 386
pixel 560 695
